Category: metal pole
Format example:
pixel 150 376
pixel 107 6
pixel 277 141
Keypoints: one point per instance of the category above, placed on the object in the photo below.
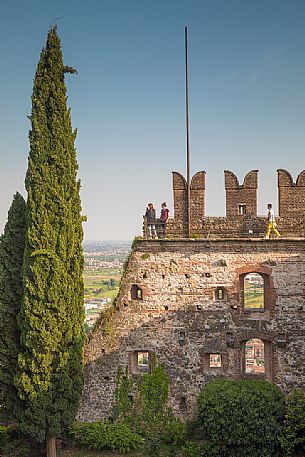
pixel 187 140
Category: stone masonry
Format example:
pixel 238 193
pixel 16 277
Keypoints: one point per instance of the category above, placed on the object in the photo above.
pixel 241 208
pixel 183 300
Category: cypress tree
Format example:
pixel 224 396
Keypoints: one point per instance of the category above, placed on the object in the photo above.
pixel 11 294
pixel 52 318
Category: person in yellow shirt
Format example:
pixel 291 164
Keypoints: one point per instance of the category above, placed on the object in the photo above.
pixel 271 223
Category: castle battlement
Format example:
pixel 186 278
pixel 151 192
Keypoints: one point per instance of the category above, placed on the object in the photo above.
pixel 241 218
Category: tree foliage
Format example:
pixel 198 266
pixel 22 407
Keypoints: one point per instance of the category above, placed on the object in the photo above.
pixel 241 418
pixel 11 293
pixel 50 375
pixel 293 438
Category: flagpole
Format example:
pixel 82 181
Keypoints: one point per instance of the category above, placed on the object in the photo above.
pixel 187 139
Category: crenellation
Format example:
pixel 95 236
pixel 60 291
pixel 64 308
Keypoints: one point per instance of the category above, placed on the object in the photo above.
pixel 241 200
pixel 291 195
pixel 241 219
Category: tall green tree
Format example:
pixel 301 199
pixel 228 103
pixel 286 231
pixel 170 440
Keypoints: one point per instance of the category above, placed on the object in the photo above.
pixel 11 295
pixel 52 318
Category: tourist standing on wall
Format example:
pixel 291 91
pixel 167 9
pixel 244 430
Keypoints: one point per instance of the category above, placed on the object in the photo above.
pixel 151 221
pixel 164 217
pixel 271 222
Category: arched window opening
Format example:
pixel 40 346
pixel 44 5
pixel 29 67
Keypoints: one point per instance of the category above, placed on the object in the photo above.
pixel 136 292
pixel 254 294
pixel 255 356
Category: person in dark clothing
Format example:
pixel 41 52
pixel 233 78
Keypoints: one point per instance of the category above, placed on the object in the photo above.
pixel 164 217
pixel 151 221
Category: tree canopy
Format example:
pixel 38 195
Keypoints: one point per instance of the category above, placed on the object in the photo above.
pixel 50 377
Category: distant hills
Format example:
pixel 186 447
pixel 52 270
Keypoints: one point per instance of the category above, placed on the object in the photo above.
pixel 99 246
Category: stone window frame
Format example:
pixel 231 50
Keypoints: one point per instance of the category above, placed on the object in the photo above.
pixel 134 292
pixel 242 209
pixel 224 293
pixel 269 292
pixel 207 359
pixel 267 356
pixel 134 367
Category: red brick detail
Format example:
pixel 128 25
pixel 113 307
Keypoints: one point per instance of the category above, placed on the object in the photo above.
pixel 269 290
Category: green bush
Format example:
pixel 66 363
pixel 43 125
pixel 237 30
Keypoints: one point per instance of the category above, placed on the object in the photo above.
pixel 14 443
pixel 293 438
pixel 101 435
pixel 151 411
pixel 192 449
pixel 174 432
pixel 122 409
pixel 241 418
pixel 3 436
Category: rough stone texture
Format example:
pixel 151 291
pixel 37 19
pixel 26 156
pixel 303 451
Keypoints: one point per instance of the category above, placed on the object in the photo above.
pixel 291 222
pixel 178 279
pixel 241 195
pixel 197 201
pixel 291 195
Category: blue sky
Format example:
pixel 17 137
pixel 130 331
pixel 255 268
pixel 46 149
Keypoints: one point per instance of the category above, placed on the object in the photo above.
pixel 246 98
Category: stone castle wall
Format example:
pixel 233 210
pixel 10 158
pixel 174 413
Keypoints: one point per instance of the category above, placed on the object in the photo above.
pixel 241 208
pixel 178 317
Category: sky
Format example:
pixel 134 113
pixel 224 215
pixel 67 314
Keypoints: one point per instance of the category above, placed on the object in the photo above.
pixel 246 98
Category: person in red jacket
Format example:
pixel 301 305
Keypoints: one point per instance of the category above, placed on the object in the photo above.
pixel 163 218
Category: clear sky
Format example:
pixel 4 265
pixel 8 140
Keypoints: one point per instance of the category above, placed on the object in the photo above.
pixel 246 98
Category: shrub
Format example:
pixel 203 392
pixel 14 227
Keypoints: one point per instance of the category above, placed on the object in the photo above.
pixel 293 438
pixel 101 435
pixel 174 432
pixel 151 411
pixel 241 418
pixel 3 436
pixel 14 443
pixel 192 449
pixel 122 409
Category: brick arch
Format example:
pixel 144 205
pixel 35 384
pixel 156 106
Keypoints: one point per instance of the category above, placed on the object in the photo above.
pixel 254 268
pixel 269 291
pixel 268 339
pixel 251 334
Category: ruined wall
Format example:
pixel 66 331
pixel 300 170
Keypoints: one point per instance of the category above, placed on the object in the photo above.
pixel 179 280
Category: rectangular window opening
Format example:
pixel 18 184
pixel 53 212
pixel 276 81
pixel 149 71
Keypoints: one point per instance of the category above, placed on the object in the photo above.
pixel 143 361
pixel 215 361
pixel 242 210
